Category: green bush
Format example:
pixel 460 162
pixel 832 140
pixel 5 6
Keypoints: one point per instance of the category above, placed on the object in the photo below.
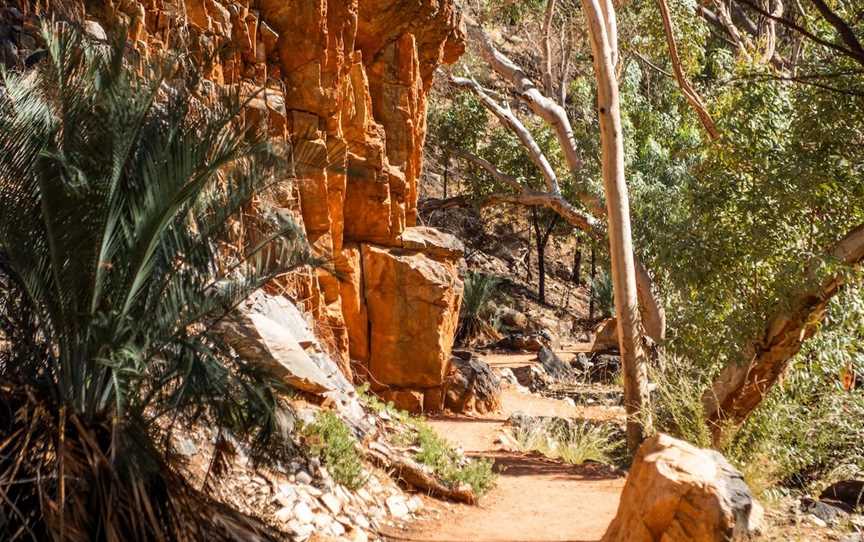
pixel 434 451
pixel 330 439
pixel 474 313
pixel 676 403
pixel 449 465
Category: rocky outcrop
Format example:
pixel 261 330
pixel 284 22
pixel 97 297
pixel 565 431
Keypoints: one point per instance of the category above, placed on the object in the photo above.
pixel 676 492
pixel 345 82
pixel 471 386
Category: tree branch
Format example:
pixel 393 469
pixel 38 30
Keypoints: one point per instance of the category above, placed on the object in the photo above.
pixel 547 48
pixel 506 116
pixel 803 31
pixel 683 83
pixel 842 28
pixel 496 173
pixel 545 108
pixel 740 387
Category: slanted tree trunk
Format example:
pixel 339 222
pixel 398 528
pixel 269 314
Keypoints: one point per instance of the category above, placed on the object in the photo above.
pixel 599 15
pixel 740 387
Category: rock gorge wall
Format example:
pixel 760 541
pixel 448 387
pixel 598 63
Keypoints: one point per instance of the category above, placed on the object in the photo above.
pixel 347 78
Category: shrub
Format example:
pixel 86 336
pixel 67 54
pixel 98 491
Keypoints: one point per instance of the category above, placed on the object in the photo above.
pixel 601 293
pixel 474 315
pixel 676 403
pixel 450 465
pixel 574 442
pixel 434 452
pixel 116 192
pixel 329 438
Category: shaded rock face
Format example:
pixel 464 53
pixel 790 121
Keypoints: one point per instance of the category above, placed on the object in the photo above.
pixel 676 492
pixel 346 81
pixel 471 386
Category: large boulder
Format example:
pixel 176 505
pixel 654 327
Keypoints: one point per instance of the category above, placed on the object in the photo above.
pixel 676 492
pixel 412 304
pixel 471 386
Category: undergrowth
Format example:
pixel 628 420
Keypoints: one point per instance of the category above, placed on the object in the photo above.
pixel 573 442
pixel 433 451
pixel 330 439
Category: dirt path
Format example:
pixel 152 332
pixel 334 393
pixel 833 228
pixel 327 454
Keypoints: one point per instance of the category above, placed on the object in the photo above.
pixel 535 499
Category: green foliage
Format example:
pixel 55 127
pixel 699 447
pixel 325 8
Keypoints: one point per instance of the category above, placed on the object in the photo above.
pixel 116 193
pixel 457 122
pixel 572 441
pixel 435 452
pixel 475 310
pixel 602 293
pixel 512 11
pixel 676 404
pixel 449 465
pixel 809 426
pixel 329 438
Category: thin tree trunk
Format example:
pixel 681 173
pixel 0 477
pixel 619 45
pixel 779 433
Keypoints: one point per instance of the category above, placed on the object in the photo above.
pixel 683 83
pixel 577 262
pixel 593 278
pixel 603 33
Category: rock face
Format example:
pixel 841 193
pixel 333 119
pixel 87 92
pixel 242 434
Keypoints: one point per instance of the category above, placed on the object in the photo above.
pixel 345 81
pixel 471 386
pixel 676 492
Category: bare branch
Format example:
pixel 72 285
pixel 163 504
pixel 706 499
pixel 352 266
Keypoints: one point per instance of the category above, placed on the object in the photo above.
pixel 496 173
pixel 843 29
pixel 506 116
pixel 547 48
pixel 556 203
pixel 683 83
pixel 542 106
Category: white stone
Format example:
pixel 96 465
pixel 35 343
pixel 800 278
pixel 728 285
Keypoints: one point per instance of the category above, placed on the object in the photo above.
pixel 815 520
pixel 359 535
pixel 284 514
pixel 322 521
pixel 360 521
pixel 303 513
pixel 337 529
pixel 332 503
pixel 414 504
pixel 397 506
pixel 304 477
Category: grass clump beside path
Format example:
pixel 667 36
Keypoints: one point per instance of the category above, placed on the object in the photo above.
pixel 574 442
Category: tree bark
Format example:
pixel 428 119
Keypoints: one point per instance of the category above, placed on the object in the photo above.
pixel 602 32
pixel 740 387
pixel 593 278
pixel 576 277
pixel 683 83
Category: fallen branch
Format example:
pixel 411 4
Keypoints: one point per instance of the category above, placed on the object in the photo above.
pixel 410 472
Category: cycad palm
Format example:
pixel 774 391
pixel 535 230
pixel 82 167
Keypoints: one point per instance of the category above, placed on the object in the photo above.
pixel 115 191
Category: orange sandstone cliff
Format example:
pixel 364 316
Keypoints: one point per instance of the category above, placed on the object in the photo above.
pixel 350 78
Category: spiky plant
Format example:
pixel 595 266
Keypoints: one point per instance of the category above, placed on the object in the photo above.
pixel 116 189
pixel 473 314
